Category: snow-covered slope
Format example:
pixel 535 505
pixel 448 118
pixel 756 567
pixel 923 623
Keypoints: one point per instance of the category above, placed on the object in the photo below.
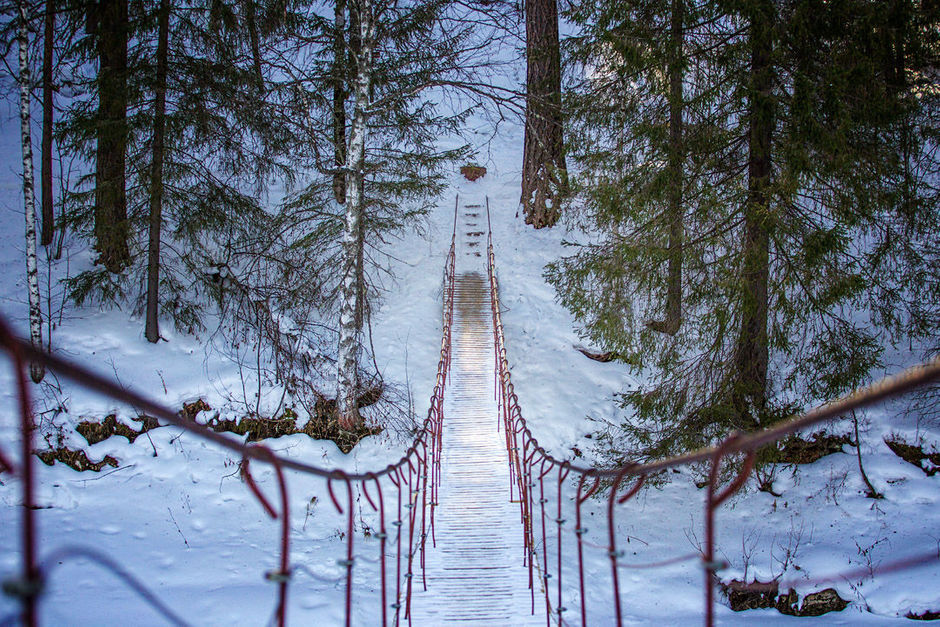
pixel 185 523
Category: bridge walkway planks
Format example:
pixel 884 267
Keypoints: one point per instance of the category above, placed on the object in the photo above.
pixel 476 574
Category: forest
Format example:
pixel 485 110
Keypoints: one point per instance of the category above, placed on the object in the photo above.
pixel 758 179
pixel 735 203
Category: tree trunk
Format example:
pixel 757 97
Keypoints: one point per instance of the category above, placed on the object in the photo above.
pixel 544 176
pixel 48 218
pixel 254 41
pixel 751 353
pixel 152 325
pixel 36 371
pixel 361 273
pixel 339 101
pixel 676 176
pixel 347 359
pixel 111 227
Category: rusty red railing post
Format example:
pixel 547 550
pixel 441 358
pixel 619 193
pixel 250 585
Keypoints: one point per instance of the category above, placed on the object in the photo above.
pixel 544 468
pixel 530 553
pixel 29 587
pixel 382 535
pixel 282 576
pixel 713 502
pixel 350 560
pixel 397 478
pixel 563 471
pixel 579 532
pixel 423 482
pixel 434 465
pixel 409 576
pixel 612 551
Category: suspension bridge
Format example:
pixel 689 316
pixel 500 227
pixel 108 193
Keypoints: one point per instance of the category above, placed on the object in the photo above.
pixel 477 523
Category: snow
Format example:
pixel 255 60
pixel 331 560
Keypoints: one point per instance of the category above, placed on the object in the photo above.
pixel 184 522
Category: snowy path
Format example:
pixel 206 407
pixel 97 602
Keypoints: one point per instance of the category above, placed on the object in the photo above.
pixel 476 573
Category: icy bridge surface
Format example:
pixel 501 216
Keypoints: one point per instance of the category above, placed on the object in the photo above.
pixel 477 573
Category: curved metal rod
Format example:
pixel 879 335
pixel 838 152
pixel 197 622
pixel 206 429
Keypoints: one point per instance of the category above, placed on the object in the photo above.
pixel 612 500
pixel 714 501
pixel 350 560
pixel 5 464
pixel 591 491
pixel 579 532
pixel 28 535
pixel 282 576
pixel 383 536
pixel 67 553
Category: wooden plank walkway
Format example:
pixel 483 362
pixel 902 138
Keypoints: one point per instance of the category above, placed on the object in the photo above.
pixel 476 574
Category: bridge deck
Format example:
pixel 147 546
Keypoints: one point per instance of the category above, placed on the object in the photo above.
pixel 476 574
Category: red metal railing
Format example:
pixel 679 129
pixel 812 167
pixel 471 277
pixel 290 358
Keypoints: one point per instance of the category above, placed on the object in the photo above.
pixel 413 479
pixel 531 467
pixel 411 484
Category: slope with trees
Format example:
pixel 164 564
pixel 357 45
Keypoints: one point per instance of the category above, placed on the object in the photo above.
pixel 808 195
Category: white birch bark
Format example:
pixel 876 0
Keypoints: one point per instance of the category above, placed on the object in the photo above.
pixel 347 358
pixel 36 371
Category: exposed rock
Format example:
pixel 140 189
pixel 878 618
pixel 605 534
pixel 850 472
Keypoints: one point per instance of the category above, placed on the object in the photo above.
pixel 321 426
pixel 743 596
pixel 788 603
pixel 915 455
pixel 759 595
pixel 822 602
pixel 76 460
pixel 191 410
pixel 95 432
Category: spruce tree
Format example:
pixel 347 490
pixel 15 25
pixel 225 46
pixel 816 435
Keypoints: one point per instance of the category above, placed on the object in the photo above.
pixel 155 226
pixel 194 208
pixel 807 173
pixel 111 227
pixel 48 51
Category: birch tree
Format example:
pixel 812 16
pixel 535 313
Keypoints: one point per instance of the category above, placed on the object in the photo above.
pixel 36 370
pixel 349 342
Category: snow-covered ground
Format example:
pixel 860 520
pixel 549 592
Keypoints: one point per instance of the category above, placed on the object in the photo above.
pixel 822 518
pixel 184 522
